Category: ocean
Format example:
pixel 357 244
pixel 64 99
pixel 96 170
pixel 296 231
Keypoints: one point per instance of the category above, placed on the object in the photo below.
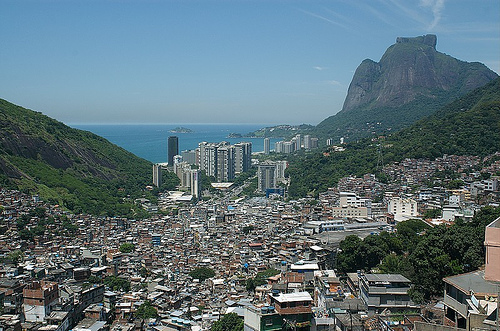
pixel 149 141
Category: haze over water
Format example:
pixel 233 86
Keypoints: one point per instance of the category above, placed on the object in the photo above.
pixel 149 141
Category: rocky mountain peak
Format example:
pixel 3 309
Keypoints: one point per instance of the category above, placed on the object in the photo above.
pixel 428 39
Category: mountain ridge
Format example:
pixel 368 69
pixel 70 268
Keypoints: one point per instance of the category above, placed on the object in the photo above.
pixel 412 80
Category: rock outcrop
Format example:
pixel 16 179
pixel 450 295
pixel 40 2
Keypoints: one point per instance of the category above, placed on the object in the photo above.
pixel 411 80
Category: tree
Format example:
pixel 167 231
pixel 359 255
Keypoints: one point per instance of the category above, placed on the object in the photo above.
pixel 202 273
pixel 347 260
pixel 260 279
pixel 117 283
pixel 146 310
pixel 15 256
pixel 127 248
pixel 230 322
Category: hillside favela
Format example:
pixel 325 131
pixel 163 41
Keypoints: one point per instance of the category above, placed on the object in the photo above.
pixel 382 216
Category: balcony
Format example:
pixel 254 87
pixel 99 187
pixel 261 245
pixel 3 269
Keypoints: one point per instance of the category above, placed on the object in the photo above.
pixel 455 305
pixel 388 290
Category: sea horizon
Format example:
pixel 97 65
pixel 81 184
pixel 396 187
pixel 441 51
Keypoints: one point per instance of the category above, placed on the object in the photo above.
pixel 149 141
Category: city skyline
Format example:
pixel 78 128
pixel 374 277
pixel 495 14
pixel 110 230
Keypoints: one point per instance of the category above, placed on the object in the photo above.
pixel 216 61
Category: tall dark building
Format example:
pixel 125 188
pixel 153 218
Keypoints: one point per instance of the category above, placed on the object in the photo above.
pixel 173 149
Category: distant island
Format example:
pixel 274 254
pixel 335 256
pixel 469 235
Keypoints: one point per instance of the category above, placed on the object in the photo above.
pixel 234 135
pixel 181 129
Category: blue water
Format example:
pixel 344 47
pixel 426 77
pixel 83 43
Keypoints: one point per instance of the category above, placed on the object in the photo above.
pixel 149 141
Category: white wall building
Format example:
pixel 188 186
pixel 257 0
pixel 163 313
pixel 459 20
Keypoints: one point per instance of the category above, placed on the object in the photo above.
pixel 402 208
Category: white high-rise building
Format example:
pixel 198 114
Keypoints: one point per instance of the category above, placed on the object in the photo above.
pixel 242 157
pixel 280 170
pixel 289 147
pixel 298 141
pixel 207 159
pixel 157 175
pixel 307 142
pixel 225 164
pixel 278 146
pixel 267 146
pixel 222 160
pixel 195 184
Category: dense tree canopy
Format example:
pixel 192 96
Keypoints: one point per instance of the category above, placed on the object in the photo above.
pixel 146 310
pixel 423 254
pixel 127 248
pixel 230 322
pixel 202 273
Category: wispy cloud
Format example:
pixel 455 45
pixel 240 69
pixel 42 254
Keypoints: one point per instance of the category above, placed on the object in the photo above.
pixel 325 19
pixel 437 7
pixel 408 11
pixel 334 82
pixel 320 68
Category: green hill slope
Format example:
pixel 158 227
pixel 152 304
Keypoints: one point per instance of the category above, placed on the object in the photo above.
pixel 467 126
pixel 77 169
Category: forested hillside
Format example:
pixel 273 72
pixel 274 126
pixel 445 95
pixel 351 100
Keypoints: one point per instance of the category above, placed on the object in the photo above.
pixel 467 126
pixel 76 169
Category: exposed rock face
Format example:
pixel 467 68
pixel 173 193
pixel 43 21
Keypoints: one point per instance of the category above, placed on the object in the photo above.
pixel 410 71
pixel 409 68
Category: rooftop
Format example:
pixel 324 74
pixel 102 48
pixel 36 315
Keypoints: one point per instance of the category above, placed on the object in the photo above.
pixel 293 297
pixel 472 281
pixel 387 278
pixel 494 224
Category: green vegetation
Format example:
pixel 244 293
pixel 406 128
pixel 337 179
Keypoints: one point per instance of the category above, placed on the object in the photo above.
pixel 117 283
pixel 422 254
pixel 146 310
pixel 202 273
pixel 468 126
pixel 260 279
pixel 127 248
pixel 230 322
pixel 73 168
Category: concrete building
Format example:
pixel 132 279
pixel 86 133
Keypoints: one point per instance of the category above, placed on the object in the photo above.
pixel 157 175
pixel 266 176
pixel 280 170
pixel 195 183
pixel 39 299
pixel 225 164
pixel 173 149
pixel 278 146
pixel 385 291
pixel 222 160
pixel 267 146
pixel 307 142
pixel 352 206
pixel 467 301
pixel 402 208
pixel 242 157
pixel 492 243
pixel 207 158
pixel 294 308
pixel 189 156
pixel 349 212
pixel 262 319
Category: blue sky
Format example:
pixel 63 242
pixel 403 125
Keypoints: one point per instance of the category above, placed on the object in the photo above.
pixel 238 61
